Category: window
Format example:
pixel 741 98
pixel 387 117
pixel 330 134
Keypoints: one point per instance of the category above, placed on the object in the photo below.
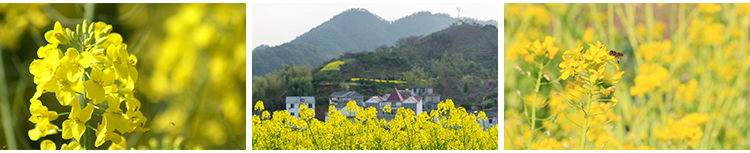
pixel 292 113
pixel 490 120
pixel 292 106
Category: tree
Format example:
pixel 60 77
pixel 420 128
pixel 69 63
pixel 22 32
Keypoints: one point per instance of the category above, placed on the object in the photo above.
pixel 291 80
pixel 416 77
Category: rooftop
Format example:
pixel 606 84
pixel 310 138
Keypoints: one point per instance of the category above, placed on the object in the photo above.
pixel 346 94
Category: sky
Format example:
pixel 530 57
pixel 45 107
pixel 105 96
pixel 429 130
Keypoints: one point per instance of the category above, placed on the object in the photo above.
pixel 275 24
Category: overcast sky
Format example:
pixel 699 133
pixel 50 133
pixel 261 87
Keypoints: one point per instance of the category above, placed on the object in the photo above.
pixel 275 24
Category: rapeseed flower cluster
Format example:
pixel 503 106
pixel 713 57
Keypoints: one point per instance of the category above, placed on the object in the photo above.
pixel 650 76
pixel 539 51
pixel 688 128
pixel 95 69
pixel 587 69
pixel 446 128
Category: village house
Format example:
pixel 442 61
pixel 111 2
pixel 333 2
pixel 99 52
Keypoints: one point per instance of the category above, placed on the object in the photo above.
pixel 429 100
pixel 339 100
pixel 491 117
pixel 294 102
pixel 396 99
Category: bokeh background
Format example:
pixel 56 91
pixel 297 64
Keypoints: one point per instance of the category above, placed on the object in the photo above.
pixel 685 84
pixel 191 64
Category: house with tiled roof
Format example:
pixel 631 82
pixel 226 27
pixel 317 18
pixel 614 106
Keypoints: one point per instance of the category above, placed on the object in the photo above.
pixel 429 100
pixel 396 99
pixel 339 100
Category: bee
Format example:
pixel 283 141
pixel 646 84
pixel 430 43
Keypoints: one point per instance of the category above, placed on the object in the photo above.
pixel 616 55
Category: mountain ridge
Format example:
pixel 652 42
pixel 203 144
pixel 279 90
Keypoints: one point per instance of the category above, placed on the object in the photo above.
pixel 357 29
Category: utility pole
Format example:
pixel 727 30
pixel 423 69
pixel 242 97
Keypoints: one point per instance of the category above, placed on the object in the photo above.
pixel 459 12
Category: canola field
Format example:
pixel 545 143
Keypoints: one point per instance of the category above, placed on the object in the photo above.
pixel 626 76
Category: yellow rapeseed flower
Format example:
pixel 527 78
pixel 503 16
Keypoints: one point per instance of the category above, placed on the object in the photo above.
pixel 42 117
pixel 58 35
pixel 73 145
pixel 75 125
pixel 47 145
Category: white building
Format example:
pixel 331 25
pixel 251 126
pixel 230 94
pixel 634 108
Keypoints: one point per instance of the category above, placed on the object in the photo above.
pixel 429 100
pixel 492 119
pixel 395 100
pixel 294 102
pixel 339 100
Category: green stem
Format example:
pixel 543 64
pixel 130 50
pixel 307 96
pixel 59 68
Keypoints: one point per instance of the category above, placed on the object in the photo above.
pixel 89 9
pixel 649 22
pixel 611 25
pixel 586 118
pixel 7 119
pixel 63 113
pixel 533 104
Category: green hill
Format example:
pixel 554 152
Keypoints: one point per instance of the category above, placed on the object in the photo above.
pixel 357 29
pixel 460 62
pixel 273 58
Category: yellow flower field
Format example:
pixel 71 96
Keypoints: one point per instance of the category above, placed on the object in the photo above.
pixel 448 128
pixel 626 76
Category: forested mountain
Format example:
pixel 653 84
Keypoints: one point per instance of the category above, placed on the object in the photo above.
pixel 460 62
pixel 262 46
pixel 273 58
pixel 357 29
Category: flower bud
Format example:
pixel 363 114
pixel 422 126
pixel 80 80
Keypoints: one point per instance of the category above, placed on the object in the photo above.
pixel 91 28
pixel 106 30
pixel 85 27
pixel 61 38
pixel 89 41
pixel 97 51
pixel 69 33
pixel 101 40
pixel 78 29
